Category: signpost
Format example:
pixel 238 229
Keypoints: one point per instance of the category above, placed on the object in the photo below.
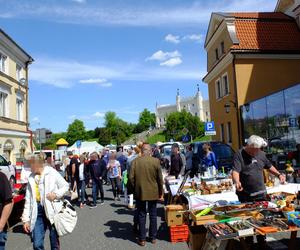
pixel 210 128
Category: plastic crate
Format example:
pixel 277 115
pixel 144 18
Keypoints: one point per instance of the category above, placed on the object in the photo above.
pixel 179 233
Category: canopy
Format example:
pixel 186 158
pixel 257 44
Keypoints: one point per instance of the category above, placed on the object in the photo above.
pixel 86 146
pixel 62 142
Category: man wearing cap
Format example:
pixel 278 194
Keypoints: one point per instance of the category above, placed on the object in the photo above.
pixel 248 166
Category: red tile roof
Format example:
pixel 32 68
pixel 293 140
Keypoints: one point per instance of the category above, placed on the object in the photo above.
pixel 266 32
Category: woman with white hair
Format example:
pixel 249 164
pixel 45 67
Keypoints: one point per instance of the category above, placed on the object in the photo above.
pixel 248 165
pixel 45 189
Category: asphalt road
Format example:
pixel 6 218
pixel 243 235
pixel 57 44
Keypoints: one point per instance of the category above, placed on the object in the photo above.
pixel 110 227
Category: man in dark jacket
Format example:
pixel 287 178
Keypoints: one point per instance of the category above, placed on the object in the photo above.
pixel 176 161
pixel 145 179
pixel 98 169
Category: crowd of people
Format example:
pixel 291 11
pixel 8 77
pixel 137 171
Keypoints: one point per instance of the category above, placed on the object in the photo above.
pixel 136 174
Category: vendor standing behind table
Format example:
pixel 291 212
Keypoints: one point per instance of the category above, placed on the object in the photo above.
pixel 176 161
pixel 248 165
pixel 209 158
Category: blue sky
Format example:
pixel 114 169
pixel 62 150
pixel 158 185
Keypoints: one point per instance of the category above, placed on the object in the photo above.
pixel 97 56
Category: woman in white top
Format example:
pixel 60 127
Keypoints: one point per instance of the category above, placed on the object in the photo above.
pixel 45 189
pixel 82 181
pixel 115 175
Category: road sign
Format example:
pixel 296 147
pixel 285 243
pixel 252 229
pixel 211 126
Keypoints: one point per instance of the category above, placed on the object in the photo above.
pixel 185 131
pixel 186 138
pixel 210 128
pixel 293 122
pixel 78 143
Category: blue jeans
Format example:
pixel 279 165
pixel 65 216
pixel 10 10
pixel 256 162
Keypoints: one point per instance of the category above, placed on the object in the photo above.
pixel 38 233
pixel 82 192
pixel 97 185
pixel 142 213
pixel 3 239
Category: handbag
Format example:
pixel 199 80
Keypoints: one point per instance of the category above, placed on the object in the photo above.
pixel 74 193
pixel 66 219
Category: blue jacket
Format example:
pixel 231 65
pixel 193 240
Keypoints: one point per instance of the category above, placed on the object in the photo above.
pixel 210 160
pixel 97 169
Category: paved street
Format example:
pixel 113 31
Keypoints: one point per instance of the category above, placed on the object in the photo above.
pixel 109 227
pixel 104 227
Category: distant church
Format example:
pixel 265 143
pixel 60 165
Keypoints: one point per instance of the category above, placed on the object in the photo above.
pixel 194 105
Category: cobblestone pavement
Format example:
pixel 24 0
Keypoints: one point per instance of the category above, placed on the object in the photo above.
pixel 110 227
pixel 106 227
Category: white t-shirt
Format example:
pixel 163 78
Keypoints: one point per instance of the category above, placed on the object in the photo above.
pixel 81 172
pixel 114 172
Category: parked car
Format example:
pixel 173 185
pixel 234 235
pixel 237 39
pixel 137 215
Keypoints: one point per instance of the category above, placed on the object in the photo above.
pixel 8 170
pixel 166 149
pixel 224 154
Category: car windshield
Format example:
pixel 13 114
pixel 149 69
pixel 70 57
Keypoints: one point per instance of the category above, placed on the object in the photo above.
pixel 167 151
pixel 222 151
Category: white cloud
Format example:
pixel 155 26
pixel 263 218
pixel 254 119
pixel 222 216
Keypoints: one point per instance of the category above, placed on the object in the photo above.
pixel 172 38
pixel 193 14
pixel 171 62
pixel 99 81
pixel 162 56
pixel 65 73
pixel 194 37
pixel 98 114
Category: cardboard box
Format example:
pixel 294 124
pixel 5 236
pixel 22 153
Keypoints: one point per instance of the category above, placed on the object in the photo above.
pixel 174 218
pixel 197 237
pixel 203 220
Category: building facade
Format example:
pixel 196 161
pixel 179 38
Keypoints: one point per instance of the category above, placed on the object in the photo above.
pixel 15 138
pixel 251 57
pixel 195 105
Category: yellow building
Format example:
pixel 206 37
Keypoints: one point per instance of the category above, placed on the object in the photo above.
pixel 253 64
pixel 15 138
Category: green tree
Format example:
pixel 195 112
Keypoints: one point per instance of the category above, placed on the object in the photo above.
pixel 76 131
pixel 104 136
pixel 146 120
pixel 51 143
pixel 178 121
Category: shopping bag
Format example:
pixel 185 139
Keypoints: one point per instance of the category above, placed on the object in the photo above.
pixel 74 193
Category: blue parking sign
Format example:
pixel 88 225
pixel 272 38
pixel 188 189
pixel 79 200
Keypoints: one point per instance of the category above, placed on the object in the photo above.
pixel 209 126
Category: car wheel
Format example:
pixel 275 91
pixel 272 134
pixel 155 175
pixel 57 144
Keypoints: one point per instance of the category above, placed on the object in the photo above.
pixel 12 181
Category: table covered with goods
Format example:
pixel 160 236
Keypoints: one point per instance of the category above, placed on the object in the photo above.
pixel 208 214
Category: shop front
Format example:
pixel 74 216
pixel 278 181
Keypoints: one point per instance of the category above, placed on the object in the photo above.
pixel 276 118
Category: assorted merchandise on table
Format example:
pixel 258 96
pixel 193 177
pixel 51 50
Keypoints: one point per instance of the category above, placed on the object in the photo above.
pixel 225 220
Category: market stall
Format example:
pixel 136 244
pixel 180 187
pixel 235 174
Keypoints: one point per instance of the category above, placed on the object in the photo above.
pixel 209 215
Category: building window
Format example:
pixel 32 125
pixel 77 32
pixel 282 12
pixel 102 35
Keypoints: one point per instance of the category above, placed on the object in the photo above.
pixel 218 89
pixel 206 113
pixel 193 105
pixel 222 132
pixel 196 113
pixel 3 60
pixel 225 84
pixel 3 104
pixel 222 48
pixel 18 72
pixel 217 54
pixel 19 110
pixel 229 132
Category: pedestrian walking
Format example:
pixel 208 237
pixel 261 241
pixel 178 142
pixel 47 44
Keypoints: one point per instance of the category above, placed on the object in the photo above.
pixel 176 161
pixel 146 181
pixel 114 174
pixel 83 181
pixel 97 169
pixel 6 206
pixel 189 158
pixel 46 187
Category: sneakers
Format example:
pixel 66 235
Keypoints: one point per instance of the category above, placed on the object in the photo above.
pixel 118 198
pixel 93 206
pixel 101 202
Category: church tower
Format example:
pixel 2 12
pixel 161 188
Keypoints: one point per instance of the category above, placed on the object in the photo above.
pixel 178 107
pixel 199 100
